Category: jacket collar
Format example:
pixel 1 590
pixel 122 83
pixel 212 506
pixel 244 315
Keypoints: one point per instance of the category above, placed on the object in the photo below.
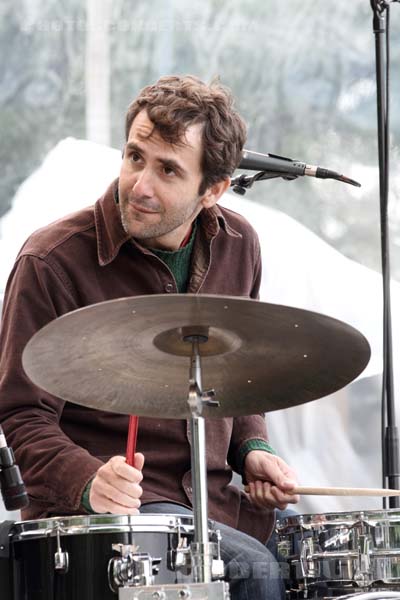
pixel 213 220
pixel 111 235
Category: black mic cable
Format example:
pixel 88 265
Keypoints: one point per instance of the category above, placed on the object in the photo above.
pixel 11 484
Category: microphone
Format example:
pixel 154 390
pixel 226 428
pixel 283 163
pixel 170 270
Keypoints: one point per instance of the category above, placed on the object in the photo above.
pixel 12 487
pixel 255 161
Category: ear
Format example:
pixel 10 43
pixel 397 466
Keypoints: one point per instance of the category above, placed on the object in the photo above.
pixel 214 192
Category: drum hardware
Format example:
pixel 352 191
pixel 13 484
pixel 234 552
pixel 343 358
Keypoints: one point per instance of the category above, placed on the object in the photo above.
pixel 91 542
pixel 217 590
pixel 218 569
pixel 61 558
pixel 205 554
pixel 382 595
pixel 362 576
pixel 339 550
pixel 182 558
pixel 131 568
pixel 310 566
pixel 311 559
pixel 307 559
pixel 272 350
pixel 179 558
pixel 202 551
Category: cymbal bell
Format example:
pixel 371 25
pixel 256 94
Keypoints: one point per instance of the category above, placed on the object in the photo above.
pixel 130 355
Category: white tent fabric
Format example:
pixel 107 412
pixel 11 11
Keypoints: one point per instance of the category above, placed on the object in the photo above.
pixel 328 441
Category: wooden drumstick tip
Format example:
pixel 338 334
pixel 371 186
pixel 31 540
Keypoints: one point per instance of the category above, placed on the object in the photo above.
pixel 340 491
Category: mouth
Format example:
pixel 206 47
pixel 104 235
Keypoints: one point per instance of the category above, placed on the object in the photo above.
pixel 142 209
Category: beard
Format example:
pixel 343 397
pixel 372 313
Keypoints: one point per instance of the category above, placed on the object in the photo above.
pixel 138 224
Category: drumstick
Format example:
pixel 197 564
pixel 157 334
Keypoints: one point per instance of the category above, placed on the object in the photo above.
pixel 132 436
pixel 340 491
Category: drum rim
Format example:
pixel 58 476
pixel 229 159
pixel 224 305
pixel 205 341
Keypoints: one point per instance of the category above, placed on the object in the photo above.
pixel 101 523
pixel 308 520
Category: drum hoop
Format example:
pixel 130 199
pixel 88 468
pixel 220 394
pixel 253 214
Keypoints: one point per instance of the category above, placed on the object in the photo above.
pixel 104 523
pixel 345 518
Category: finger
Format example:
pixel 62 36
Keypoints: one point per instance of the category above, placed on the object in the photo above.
pixel 279 473
pixel 259 494
pixel 139 461
pixel 121 486
pixel 282 497
pixel 117 467
pixel 117 485
pixel 104 494
pixel 105 505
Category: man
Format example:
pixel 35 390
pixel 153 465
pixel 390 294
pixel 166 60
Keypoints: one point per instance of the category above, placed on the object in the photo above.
pixel 156 230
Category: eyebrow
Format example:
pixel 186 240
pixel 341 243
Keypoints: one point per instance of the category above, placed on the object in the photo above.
pixel 165 162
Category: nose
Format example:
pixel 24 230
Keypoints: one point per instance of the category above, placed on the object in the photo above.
pixel 143 184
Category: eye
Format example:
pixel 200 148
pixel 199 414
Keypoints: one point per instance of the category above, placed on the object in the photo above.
pixel 134 156
pixel 168 171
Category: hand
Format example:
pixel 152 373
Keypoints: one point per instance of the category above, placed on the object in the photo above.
pixel 270 480
pixel 115 488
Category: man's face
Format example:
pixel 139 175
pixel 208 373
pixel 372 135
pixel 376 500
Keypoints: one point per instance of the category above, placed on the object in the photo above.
pixel 159 183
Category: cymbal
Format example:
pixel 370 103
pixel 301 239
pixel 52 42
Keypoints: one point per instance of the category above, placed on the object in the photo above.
pixel 129 356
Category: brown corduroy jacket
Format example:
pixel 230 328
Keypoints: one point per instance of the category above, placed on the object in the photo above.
pixel 85 258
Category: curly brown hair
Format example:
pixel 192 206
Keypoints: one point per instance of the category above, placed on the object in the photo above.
pixel 175 102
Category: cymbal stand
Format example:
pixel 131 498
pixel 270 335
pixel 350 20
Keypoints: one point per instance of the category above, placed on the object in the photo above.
pixel 205 567
pixel 202 550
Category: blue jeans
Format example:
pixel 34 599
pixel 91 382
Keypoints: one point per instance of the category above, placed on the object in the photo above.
pixel 252 570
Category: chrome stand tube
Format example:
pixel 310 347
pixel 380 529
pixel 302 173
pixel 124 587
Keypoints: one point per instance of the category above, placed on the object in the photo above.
pixel 202 550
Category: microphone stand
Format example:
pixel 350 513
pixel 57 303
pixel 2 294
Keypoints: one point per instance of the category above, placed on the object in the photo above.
pixel 390 440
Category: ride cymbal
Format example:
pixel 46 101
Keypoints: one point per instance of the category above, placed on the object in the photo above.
pixel 129 355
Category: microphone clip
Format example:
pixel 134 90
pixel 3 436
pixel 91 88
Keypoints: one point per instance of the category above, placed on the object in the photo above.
pixel 242 183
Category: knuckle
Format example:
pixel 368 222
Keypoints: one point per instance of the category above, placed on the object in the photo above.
pixel 115 464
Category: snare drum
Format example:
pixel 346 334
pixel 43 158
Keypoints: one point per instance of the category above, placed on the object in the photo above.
pixel 90 557
pixel 335 553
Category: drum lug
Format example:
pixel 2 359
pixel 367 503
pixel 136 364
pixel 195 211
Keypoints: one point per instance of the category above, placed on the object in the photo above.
pixel 61 562
pixel 131 568
pixel 185 559
pixel 180 559
pixel 61 558
pixel 217 566
pixel 362 575
pixel 308 565
pixel 284 548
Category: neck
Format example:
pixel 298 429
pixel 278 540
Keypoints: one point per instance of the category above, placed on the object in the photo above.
pixel 170 241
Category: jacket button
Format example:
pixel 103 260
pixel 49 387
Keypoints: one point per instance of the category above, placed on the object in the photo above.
pixel 169 287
